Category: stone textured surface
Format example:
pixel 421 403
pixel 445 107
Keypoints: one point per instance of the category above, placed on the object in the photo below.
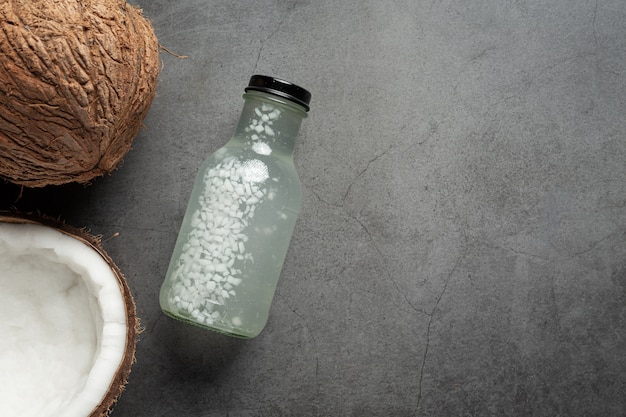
pixel 462 246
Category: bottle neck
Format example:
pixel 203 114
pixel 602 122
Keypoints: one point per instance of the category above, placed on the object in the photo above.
pixel 268 124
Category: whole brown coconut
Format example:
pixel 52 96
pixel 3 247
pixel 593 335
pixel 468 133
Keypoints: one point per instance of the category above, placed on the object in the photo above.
pixel 77 78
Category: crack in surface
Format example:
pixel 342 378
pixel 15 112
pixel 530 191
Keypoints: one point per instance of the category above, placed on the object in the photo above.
pixel 147 332
pixel 596 41
pixel 430 321
pixel 389 276
pixel 567 255
pixel 363 171
pixel 271 35
pixel 305 324
pixel 593 24
pixel 374 245
pixel 429 314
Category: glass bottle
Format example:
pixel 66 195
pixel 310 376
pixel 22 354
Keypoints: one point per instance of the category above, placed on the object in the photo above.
pixel 242 211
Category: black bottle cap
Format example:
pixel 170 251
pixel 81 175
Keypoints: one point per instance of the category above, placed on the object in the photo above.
pixel 280 88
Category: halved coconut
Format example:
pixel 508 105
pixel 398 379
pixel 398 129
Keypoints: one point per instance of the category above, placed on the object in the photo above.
pixel 67 322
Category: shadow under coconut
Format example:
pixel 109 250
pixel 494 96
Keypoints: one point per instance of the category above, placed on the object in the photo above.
pixel 65 201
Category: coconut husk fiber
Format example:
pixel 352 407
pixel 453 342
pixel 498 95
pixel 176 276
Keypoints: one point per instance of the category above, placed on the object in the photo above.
pixel 77 78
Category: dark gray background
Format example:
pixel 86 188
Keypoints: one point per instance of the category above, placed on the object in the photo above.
pixel 462 246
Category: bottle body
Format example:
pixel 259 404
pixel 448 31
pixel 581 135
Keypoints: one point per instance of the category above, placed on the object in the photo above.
pixel 237 227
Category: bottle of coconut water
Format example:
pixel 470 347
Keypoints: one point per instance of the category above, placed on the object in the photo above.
pixel 243 207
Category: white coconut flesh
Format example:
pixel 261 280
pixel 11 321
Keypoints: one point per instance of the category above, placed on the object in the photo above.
pixel 62 323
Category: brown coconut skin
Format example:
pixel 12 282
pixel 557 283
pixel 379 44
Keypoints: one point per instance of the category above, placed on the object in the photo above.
pixel 77 78
pixel 132 321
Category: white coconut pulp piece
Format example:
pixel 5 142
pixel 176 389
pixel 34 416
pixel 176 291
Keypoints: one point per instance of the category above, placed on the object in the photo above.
pixel 63 323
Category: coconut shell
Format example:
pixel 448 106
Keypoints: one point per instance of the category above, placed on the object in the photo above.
pixel 77 78
pixel 133 329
